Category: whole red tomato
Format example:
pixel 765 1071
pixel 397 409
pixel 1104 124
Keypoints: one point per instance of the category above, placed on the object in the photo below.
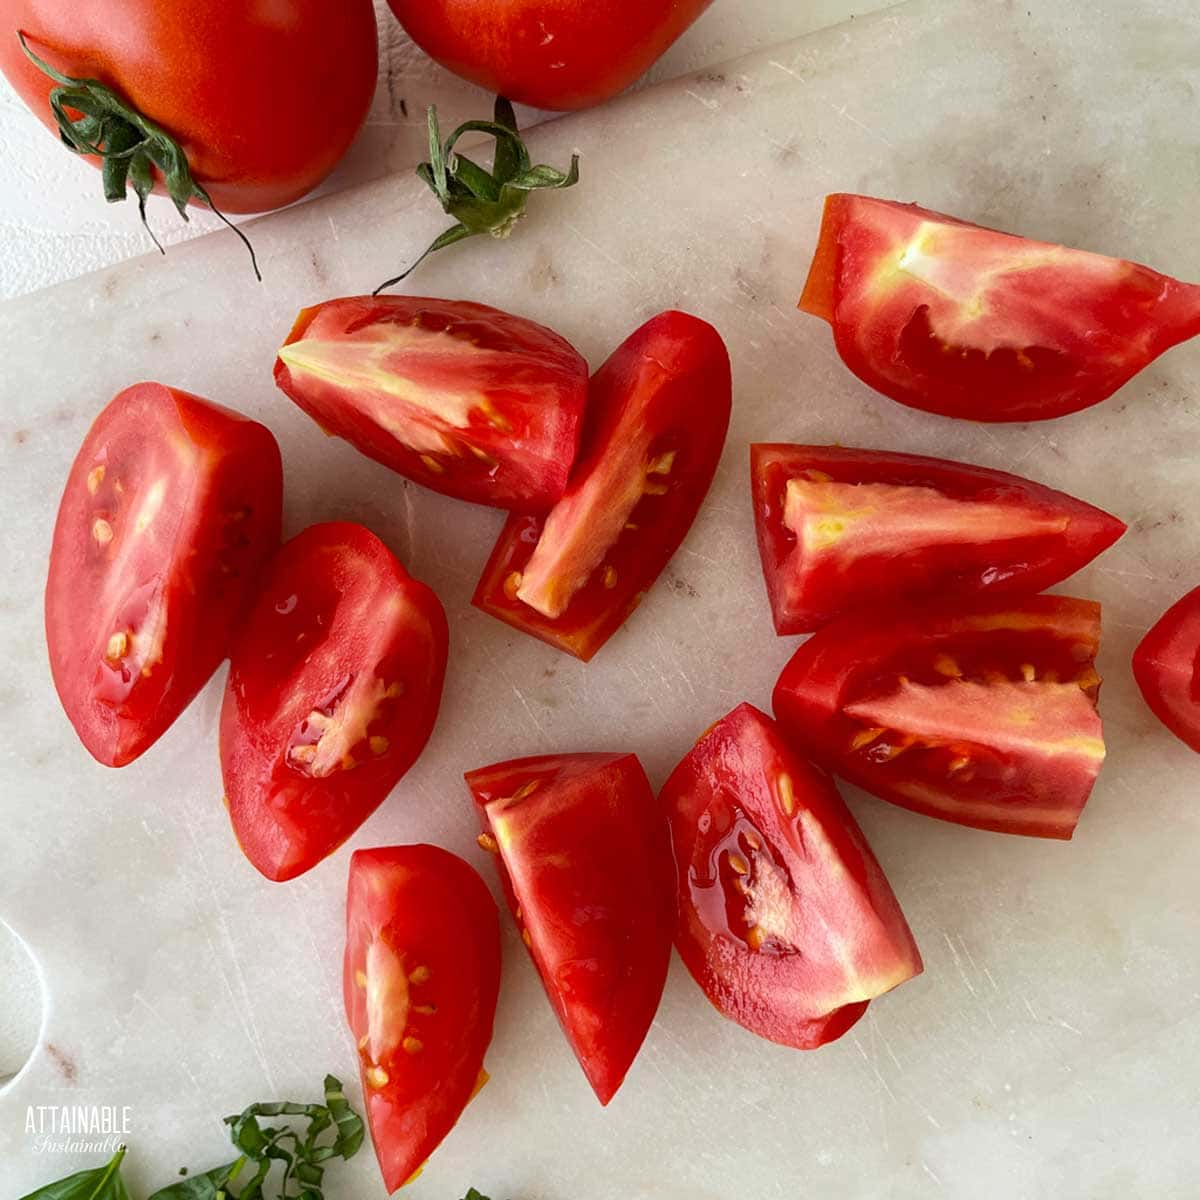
pixel 549 53
pixel 264 97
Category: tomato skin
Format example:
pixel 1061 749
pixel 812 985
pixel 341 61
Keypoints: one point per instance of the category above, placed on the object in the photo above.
pixel 171 506
pixel 658 411
pixel 334 687
pixel 786 920
pixel 1166 665
pixel 555 54
pixel 460 397
pixel 585 863
pixel 883 527
pixel 422 933
pixel 978 712
pixel 969 322
pixel 314 61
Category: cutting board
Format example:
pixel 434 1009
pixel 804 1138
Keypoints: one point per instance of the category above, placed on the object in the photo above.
pixel 1052 1047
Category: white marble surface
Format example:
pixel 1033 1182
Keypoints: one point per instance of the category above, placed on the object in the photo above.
pixel 1052 1047
pixel 55 225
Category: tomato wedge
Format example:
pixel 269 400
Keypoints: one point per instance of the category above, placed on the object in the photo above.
pixel 840 528
pixel 586 867
pixel 786 919
pixel 421 977
pixel 465 399
pixel 334 687
pixel 982 713
pixel 658 411
pixel 1166 665
pixel 171 506
pixel 968 322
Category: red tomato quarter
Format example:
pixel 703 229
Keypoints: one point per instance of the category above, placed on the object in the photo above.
pixel 785 918
pixel 170 508
pixel 549 53
pixel 841 528
pixel 587 871
pixel 264 98
pixel 983 713
pixel 1166 666
pixel 968 322
pixel 466 399
pixel 421 977
pixel 334 687
pixel 658 410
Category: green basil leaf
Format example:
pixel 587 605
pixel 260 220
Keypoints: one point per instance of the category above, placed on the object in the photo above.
pixel 99 1183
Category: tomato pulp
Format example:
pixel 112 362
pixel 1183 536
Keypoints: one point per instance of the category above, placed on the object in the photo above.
pixel 786 919
pixel 334 687
pixel 465 399
pixel 586 867
pixel 658 410
pixel 283 90
pixel 421 977
pixel 549 53
pixel 841 528
pixel 968 322
pixel 982 713
pixel 1166 665
pixel 171 506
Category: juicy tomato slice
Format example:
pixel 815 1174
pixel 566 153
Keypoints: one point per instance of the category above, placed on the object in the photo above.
pixel 465 399
pixel 982 713
pixel 840 528
pixel 658 411
pixel 968 322
pixel 421 977
pixel 786 919
pixel 586 866
pixel 334 687
pixel 171 506
pixel 1166 665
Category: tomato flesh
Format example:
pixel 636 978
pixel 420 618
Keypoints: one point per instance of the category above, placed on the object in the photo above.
pixel 171 506
pixel 420 980
pixel 586 866
pixel 969 322
pixel 548 53
pixel 284 90
pixel 658 411
pixel 982 713
pixel 786 919
pixel 465 399
pixel 1166 665
pixel 334 687
pixel 841 528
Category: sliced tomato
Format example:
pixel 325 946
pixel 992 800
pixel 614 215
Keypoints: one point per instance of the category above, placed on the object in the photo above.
pixel 840 528
pixel 421 977
pixel 658 411
pixel 465 399
pixel 786 919
pixel 968 322
pixel 171 506
pixel 586 866
pixel 334 687
pixel 1166 665
pixel 982 713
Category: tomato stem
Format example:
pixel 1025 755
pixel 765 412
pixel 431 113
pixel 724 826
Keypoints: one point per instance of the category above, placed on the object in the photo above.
pixel 483 201
pixel 130 146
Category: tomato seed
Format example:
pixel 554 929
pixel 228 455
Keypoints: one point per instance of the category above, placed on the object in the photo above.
pixel 412 1045
pixel 864 737
pixel 610 577
pixel 432 464
pixel 488 843
pixel 945 665
pixel 94 480
pixel 787 795
pixel 419 975
pixel 755 938
pixel 739 864
pixel 102 531
pixel 377 1077
pixel 1028 673
pixel 117 648
pixel 378 745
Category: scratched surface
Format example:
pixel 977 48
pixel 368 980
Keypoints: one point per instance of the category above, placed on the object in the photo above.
pixel 1052 1048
